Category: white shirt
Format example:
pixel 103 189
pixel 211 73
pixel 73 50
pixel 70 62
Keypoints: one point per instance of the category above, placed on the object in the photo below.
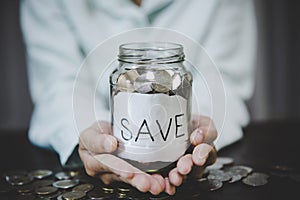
pixel 60 33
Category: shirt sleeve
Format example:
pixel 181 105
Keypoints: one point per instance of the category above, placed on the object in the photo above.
pixel 53 59
pixel 231 43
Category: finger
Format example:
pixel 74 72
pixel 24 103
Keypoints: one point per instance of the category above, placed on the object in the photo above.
pixel 102 127
pixel 197 137
pixel 160 180
pixel 129 174
pixel 115 165
pixel 141 181
pixel 156 185
pixel 107 178
pixel 204 130
pixel 210 133
pixel 200 120
pixel 96 142
pixel 123 170
pixel 170 189
pixel 212 156
pixel 184 164
pixel 175 177
pixel 200 153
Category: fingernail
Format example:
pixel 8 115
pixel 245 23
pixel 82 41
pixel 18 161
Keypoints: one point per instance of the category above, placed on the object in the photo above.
pixel 198 137
pixel 204 151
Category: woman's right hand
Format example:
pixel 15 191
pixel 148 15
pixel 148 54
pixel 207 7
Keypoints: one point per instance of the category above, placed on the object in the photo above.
pixel 96 144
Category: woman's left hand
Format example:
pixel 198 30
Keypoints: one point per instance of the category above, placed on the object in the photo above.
pixel 204 154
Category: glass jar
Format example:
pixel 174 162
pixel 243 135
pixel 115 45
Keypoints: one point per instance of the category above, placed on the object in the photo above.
pixel 150 103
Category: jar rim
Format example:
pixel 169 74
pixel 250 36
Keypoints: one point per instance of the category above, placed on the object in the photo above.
pixel 155 46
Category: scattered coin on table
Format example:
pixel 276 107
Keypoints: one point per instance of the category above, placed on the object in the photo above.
pixel 65 184
pixel 40 173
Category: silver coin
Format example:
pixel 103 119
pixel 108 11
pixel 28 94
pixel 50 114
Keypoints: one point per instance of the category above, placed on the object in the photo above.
pixel 121 195
pixel 176 81
pixel 40 198
pixel 73 195
pixel 29 188
pixel 211 185
pixel 65 184
pixel 184 89
pixel 18 179
pixel 215 166
pixel 86 187
pixel 63 175
pixel 53 195
pixel 241 170
pixel 45 190
pixel 123 189
pixel 42 183
pixel 224 160
pixel 41 173
pixel 235 178
pixel 132 75
pixel 170 72
pixel 108 189
pixel 159 88
pixel 260 175
pixel 163 78
pixel 143 83
pixel 14 175
pixel 124 83
pixel 255 181
pixel 59 197
pixel 221 177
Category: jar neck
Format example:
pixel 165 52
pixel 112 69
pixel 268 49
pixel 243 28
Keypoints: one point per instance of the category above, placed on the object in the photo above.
pixel 151 53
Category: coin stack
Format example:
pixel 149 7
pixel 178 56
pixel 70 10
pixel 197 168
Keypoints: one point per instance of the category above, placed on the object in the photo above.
pixel 42 184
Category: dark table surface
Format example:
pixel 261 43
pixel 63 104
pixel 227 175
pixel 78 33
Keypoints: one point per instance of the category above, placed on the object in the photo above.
pixel 265 145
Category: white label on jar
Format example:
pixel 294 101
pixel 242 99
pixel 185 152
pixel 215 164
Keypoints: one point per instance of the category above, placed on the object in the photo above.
pixel 150 127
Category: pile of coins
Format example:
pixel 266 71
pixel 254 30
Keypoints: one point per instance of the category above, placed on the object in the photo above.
pixel 73 185
pixel 147 81
pixel 223 171
pixel 66 185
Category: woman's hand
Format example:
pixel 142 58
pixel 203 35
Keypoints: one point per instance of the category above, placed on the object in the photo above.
pixel 203 135
pixel 95 146
pixel 97 143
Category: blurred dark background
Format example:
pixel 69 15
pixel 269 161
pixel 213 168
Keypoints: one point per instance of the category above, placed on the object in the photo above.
pixel 277 93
